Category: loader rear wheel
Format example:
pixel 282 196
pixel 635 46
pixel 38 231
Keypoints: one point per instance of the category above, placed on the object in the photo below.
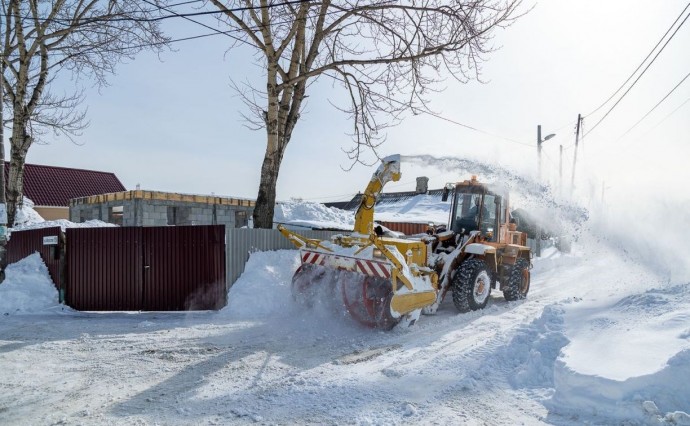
pixel 517 286
pixel 471 285
pixel 367 299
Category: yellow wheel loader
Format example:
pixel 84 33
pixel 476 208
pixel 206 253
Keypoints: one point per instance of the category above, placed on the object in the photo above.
pixel 381 281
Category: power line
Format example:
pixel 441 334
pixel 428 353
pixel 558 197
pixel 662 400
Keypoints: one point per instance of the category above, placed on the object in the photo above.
pixel 641 63
pixel 670 114
pixel 638 78
pixel 70 21
pixel 197 22
pixel 172 15
pixel 655 106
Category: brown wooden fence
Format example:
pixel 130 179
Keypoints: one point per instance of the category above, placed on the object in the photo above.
pixel 26 243
pixel 151 269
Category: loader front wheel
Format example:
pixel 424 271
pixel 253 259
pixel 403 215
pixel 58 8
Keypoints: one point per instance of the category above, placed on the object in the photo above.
pixel 518 281
pixel 471 285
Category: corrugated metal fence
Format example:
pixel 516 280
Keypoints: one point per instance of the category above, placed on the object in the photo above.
pixel 104 269
pixel 25 243
pixel 242 242
pixel 149 268
pixel 152 268
pixel 131 268
pixel 407 228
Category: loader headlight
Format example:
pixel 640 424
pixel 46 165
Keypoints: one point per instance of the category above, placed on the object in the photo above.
pixel 378 254
pixel 489 233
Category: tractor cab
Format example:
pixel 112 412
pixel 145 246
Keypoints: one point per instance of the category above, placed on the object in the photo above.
pixel 475 208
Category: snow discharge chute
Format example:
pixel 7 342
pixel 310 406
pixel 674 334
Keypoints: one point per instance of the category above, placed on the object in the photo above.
pixel 381 281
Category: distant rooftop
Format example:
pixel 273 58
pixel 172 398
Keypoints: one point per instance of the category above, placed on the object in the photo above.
pixel 384 198
pixel 55 186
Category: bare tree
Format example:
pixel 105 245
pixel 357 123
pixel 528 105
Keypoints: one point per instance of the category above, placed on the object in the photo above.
pixel 387 55
pixel 42 39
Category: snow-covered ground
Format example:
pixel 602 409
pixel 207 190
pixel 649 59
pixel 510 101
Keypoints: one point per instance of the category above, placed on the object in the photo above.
pixel 603 338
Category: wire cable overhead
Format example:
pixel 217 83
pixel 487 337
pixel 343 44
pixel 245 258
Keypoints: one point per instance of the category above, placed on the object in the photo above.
pixel 641 74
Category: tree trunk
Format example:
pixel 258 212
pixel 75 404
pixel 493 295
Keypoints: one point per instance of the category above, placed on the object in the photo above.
pixel 20 142
pixel 15 180
pixel 266 199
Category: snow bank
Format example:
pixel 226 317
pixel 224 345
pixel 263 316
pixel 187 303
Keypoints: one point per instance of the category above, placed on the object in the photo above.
pixel 420 208
pixel 26 215
pixel 27 288
pixel 306 214
pixel 569 368
pixel 263 290
pixel 531 354
pixel 27 218
pixel 64 224
pixel 263 294
pixel 659 398
pixel 629 337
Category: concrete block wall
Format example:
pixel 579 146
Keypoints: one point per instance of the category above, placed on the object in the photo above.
pixel 141 212
pixel 88 212
pixel 226 216
pixel 154 214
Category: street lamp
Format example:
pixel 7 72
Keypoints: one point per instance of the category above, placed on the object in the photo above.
pixel 539 142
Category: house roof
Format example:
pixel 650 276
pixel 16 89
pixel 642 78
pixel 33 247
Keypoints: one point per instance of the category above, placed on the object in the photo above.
pixel 55 186
pixel 384 198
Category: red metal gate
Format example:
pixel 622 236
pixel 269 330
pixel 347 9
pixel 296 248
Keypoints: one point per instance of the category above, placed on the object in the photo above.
pixel 49 242
pixel 149 269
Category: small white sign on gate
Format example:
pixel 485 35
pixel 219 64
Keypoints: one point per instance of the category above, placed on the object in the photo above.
pixel 50 241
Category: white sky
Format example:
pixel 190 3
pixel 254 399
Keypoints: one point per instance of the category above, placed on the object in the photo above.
pixel 175 124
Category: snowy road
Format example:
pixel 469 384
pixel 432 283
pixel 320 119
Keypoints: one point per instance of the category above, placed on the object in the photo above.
pixel 261 360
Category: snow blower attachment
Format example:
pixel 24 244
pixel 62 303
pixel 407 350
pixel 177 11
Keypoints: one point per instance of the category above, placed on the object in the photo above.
pixel 381 281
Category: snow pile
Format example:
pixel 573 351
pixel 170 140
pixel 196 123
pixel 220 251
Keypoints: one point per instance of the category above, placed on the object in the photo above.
pixel 27 288
pixel 263 290
pixel 534 350
pixel 27 218
pixel 627 358
pixel 306 214
pixel 262 295
pixel 26 215
pixel 64 224
pixel 659 398
pixel 421 208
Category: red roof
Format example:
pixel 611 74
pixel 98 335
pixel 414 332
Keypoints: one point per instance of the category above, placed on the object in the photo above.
pixel 55 186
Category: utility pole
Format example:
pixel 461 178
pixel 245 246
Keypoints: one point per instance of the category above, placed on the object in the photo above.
pixel 539 142
pixel 3 201
pixel 577 140
pixel 560 172
pixel 539 153
pixel 537 237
